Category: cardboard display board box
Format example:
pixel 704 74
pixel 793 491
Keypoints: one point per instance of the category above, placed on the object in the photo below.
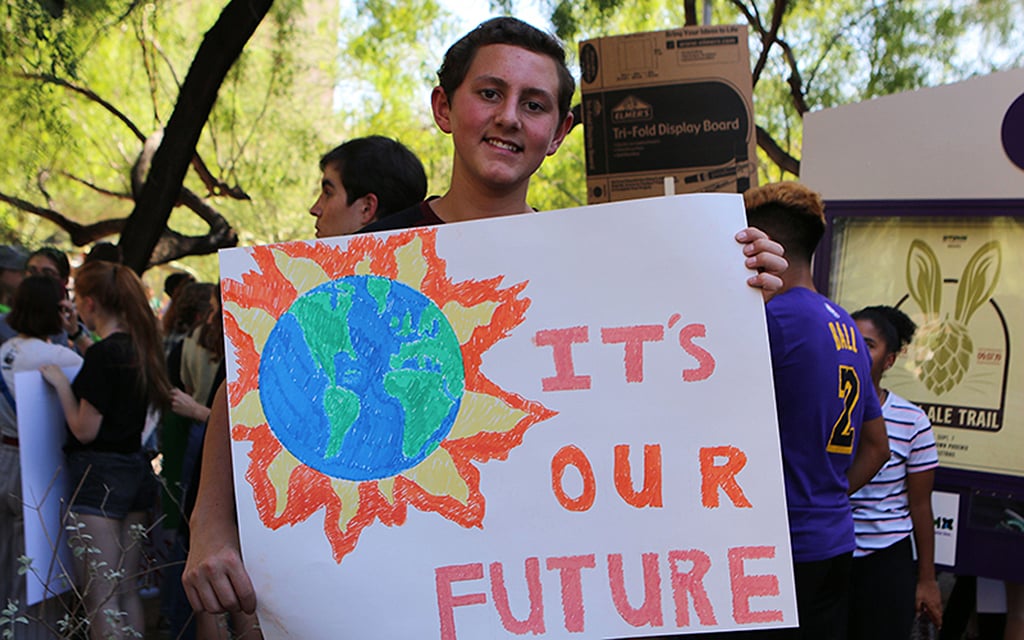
pixel 663 104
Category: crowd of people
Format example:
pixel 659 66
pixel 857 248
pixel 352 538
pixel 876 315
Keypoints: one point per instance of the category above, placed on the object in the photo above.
pixel 128 371
pixel 503 96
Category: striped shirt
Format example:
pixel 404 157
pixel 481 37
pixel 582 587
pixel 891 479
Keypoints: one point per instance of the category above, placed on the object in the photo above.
pixel 881 508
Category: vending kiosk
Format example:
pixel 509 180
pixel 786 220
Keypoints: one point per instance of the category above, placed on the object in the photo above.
pixel 924 198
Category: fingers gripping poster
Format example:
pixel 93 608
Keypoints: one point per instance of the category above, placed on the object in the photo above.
pixel 557 425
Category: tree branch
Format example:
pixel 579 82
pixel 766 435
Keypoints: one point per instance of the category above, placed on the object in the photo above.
pixel 140 38
pixel 213 185
pixel 768 36
pixel 753 17
pixel 96 188
pixel 771 37
pixel 171 245
pixel 777 154
pixel 795 81
pixel 41 179
pixel 217 223
pixel 81 234
pixel 88 93
pixel 127 12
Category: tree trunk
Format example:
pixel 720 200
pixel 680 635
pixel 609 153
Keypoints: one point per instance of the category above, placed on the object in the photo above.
pixel 690 12
pixel 220 48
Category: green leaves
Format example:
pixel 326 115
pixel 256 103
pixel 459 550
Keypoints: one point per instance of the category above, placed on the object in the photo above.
pixel 9 618
pixel 314 76
pixel 67 152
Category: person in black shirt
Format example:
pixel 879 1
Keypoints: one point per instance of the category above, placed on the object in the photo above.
pixel 105 407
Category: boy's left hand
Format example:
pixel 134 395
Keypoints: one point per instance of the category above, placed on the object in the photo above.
pixel 766 256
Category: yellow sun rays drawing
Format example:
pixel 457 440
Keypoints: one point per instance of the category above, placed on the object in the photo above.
pixel 358 383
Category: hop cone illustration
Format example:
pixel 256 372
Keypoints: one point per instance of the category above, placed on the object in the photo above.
pixel 943 349
pixel 943 354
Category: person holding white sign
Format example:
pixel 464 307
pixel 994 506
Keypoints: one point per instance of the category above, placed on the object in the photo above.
pixel 35 314
pixel 830 422
pixel 887 586
pixel 504 97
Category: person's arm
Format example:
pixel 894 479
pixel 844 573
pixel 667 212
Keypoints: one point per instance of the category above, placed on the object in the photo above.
pixel 82 417
pixel 186 367
pixel 919 493
pixel 78 335
pixel 184 405
pixel 1014 610
pixel 765 256
pixel 872 453
pixel 214 578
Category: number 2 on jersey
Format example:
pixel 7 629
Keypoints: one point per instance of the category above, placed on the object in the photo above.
pixel 841 440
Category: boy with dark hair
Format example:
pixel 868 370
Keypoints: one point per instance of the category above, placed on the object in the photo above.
pixel 830 423
pixel 363 180
pixel 506 106
pixel 49 261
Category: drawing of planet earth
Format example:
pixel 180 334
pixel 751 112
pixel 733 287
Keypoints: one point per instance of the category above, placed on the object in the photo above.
pixel 361 378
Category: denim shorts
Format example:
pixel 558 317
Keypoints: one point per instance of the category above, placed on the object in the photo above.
pixel 111 485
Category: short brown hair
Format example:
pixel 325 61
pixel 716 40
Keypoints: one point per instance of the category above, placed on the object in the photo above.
pixel 790 213
pixel 510 31
pixel 35 310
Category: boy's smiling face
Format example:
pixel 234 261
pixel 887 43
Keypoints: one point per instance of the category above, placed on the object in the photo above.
pixel 503 117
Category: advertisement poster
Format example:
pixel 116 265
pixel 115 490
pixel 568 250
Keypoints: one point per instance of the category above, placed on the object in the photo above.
pixel 962 281
pixel 668 104
pixel 549 425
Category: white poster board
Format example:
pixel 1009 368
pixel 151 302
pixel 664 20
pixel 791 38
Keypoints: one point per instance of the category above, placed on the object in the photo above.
pixel 585 443
pixel 44 485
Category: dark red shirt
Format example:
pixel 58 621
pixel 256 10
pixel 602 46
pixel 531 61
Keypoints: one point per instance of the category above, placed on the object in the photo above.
pixel 418 215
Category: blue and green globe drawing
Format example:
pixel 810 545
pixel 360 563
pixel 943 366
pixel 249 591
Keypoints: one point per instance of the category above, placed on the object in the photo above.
pixel 361 378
